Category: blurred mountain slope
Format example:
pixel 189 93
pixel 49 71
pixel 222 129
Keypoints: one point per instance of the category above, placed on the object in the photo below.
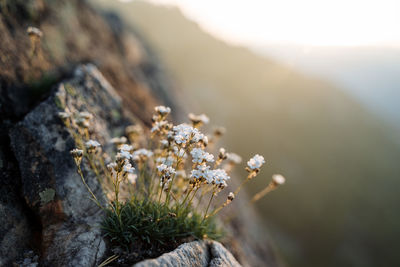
pixel 339 205
pixel 369 73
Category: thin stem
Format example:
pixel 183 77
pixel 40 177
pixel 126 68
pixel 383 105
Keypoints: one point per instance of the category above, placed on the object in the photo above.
pixel 88 188
pixel 201 197
pixel 153 172
pixel 172 181
pixel 263 192
pixel 108 260
pixel 187 195
pixel 87 133
pixel 141 179
pixel 162 189
pixel 248 178
pixel 217 163
pixel 116 191
pixel 191 199
pixel 208 206
pixel 220 208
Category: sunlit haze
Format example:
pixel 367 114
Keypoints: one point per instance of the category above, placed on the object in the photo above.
pixel 306 22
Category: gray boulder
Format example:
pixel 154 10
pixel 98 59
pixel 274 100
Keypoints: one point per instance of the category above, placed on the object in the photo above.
pixel 51 186
pixel 196 254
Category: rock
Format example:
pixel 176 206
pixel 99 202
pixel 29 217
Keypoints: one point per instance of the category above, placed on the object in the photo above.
pixel 197 253
pixel 187 254
pixel 50 184
pixel 71 235
pixel 220 256
pixel 16 227
pixel 73 32
pixel 44 207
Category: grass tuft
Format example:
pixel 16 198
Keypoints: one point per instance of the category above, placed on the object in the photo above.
pixel 156 225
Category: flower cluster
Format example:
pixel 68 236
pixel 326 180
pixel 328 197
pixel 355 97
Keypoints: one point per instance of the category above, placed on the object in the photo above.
pixel 184 134
pixel 165 172
pixel 171 168
pixel 160 125
pixel 200 156
pixel 256 162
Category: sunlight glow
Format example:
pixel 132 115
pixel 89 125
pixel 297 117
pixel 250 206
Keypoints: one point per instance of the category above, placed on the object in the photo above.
pixel 306 22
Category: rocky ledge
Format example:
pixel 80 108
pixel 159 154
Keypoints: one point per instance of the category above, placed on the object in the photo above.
pixel 52 188
pixel 46 216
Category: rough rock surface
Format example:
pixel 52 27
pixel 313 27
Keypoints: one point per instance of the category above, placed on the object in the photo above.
pixel 72 33
pixel 197 253
pixel 46 216
pixel 51 186
pixel 53 190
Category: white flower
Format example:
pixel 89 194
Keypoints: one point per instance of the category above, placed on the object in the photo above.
pixel 222 154
pixel 64 115
pixel 166 173
pixel 278 179
pixel 166 170
pixel 180 153
pixel 33 31
pixel 218 177
pixel 197 153
pixel 199 118
pixel 201 172
pixel 141 154
pixel 234 158
pixel 92 144
pixel 85 115
pixel 256 162
pixel 162 167
pixel 199 137
pixel 182 133
pixel 112 168
pixel 159 125
pixel 161 160
pixel 162 110
pixel 167 161
pixel 83 122
pixel 126 147
pixel 124 154
pixel 164 143
pixel 200 156
pixel 76 152
pixel 208 157
pixel 128 168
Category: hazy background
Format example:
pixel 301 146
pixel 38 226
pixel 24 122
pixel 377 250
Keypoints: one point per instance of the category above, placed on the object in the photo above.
pixel 314 87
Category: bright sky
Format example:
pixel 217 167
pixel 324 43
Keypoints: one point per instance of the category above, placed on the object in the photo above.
pixel 306 22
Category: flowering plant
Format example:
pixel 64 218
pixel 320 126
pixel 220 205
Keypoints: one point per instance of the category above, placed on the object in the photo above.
pixel 162 194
